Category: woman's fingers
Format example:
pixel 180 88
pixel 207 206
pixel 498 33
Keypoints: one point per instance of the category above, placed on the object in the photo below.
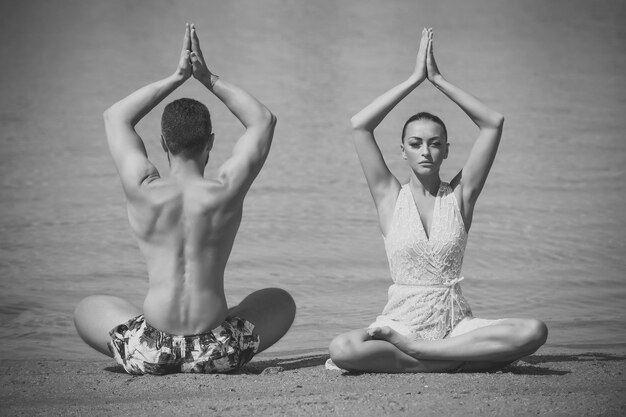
pixel 431 64
pixel 423 41
pixel 429 44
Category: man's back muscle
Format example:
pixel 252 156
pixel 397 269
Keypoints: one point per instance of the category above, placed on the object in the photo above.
pixel 186 232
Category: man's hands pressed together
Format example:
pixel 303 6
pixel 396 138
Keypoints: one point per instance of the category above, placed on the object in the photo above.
pixel 200 70
pixel 184 70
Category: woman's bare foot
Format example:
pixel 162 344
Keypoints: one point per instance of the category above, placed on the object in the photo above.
pixel 403 343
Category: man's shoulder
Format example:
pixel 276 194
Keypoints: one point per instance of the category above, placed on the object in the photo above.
pixel 208 192
pixel 213 194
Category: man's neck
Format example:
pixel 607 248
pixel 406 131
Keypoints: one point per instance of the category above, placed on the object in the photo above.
pixel 186 168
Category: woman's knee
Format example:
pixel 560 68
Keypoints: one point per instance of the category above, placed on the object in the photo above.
pixel 342 350
pixel 533 334
pixel 538 332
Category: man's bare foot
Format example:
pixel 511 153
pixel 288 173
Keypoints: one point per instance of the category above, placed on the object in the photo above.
pixel 403 343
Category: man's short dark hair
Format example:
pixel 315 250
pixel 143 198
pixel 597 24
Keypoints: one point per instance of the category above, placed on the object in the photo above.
pixel 186 126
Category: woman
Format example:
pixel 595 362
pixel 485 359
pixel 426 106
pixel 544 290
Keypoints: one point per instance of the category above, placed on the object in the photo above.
pixel 427 325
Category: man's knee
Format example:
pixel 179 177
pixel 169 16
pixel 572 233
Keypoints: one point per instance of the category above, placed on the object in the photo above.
pixel 270 306
pixel 281 299
pixel 288 301
pixel 86 306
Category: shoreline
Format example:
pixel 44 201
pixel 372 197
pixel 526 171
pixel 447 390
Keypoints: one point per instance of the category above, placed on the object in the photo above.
pixel 553 382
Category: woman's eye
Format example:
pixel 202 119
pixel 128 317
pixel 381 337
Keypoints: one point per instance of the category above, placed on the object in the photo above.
pixel 436 144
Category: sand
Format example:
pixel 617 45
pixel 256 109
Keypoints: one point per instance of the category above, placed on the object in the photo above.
pixel 547 383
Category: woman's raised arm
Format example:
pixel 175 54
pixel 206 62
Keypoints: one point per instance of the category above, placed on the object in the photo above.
pixel 383 186
pixel 475 171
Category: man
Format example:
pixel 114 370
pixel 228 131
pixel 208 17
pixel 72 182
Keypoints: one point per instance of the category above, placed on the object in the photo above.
pixel 185 226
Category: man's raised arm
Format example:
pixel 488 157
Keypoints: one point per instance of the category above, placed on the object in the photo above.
pixel 250 151
pixel 127 148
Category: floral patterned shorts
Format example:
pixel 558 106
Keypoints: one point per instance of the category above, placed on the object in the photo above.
pixel 142 349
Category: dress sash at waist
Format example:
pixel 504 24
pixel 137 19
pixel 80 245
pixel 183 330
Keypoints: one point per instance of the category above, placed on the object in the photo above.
pixel 450 291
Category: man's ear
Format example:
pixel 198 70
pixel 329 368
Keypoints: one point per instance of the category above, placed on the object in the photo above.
pixel 166 149
pixel 209 144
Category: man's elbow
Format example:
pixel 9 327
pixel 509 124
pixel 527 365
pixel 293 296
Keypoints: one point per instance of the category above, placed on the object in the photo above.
pixel 110 115
pixel 270 118
pixel 116 115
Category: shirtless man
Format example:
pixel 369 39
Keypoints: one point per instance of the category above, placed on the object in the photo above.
pixel 185 226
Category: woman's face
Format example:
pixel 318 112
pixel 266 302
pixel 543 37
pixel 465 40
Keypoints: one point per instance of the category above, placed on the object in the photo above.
pixel 424 146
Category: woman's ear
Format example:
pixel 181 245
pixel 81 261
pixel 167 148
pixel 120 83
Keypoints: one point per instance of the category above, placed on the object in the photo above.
pixel 403 152
pixel 445 153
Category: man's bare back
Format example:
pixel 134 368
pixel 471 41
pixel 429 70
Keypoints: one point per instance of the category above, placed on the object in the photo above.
pixel 185 230
pixel 185 226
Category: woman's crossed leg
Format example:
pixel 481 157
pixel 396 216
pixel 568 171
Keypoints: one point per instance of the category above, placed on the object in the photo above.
pixel 486 348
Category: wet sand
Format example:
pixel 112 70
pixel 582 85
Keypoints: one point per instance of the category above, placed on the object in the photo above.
pixel 548 383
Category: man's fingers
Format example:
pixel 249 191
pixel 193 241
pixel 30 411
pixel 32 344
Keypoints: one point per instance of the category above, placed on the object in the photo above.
pixel 184 62
pixel 196 60
pixel 186 39
pixel 195 42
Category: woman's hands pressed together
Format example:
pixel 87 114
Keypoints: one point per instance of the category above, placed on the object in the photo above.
pixel 420 74
pixel 432 71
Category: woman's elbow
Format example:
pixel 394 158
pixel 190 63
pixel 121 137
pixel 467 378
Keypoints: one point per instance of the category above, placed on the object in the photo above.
pixel 494 121
pixel 356 123
pixel 106 115
pixel 498 120
pixel 111 114
pixel 273 119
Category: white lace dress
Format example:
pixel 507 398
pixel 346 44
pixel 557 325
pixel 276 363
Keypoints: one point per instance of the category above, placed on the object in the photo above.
pixel 425 300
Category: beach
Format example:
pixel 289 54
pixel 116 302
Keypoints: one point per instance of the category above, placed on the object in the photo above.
pixel 547 239
pixel 551 384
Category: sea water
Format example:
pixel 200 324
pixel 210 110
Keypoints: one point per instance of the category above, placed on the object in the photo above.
pixel 547 239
